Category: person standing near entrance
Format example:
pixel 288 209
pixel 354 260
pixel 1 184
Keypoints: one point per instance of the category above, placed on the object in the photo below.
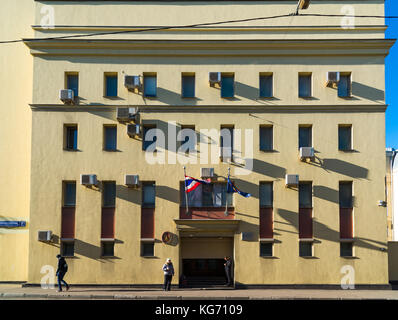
pixel 168 270
pixel 61 271
pixel 228 270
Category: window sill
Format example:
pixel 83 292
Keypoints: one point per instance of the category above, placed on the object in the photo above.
pixel 71 150
pixel 111 150
pixel 306 240
pixel 349 239
pixel 267 240
pixel 67 239
pixel 149 257
pixel 349 257
pixel 108 239
pixel 269 257
pixel 269 151
pixel 308 257
pixel 348 151
pixel 150 240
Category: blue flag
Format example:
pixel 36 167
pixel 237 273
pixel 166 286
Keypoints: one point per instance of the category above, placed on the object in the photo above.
pixel 231 188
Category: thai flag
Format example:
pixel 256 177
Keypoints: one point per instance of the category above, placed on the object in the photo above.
pixel 231 188
pixel 192 183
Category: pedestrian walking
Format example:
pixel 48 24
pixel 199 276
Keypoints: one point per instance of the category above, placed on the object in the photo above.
pixel 168 270
pixel 228 270
pixel 61 271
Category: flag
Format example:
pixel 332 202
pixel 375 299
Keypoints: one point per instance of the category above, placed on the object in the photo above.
pixel 192 183
pixel 231 188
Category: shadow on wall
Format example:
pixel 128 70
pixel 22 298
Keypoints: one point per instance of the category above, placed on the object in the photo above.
pixel 366 92
pixel 343 167
pixel 323 232
pixel 128 194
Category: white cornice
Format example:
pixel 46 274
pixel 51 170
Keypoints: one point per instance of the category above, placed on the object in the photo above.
pixel 94 47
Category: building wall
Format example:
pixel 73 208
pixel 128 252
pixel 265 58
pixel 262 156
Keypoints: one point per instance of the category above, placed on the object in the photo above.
pixel 16 93
pixel 365 167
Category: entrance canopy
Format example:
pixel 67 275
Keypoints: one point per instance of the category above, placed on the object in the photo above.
pixel 206 227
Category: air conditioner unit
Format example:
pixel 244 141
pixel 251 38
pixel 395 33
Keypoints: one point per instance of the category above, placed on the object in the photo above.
pixel 127 114
pixel 207 172
pixel 88 179
pixel 132 82
pixel 304 4
pixel 292 179
pixel 133 130
pixel 214 78
pixel 67 96
pixel 44 235
pixel 247 236
pixel 132 180
pixel 306 153
pixel 332 79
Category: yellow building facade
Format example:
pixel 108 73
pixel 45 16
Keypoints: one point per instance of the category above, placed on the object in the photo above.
pixel 269 91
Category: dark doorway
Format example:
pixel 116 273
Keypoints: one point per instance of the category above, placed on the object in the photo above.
pixel 203 272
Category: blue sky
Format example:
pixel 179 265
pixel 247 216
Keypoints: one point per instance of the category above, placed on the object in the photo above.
pixel 391 85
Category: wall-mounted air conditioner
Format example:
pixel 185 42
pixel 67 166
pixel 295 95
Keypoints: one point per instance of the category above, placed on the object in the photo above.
pixel 207 172
pixel 132 180
pixel 307 153
pixel 332 79
pixel 214 78
pixel 88 179
pixel 291 180
pixel 133 130
pixel 44 236
pixel 127 114
pixel 132 82
pixel 67 96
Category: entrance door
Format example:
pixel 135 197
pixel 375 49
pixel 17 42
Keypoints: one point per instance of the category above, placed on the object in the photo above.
pixel 202 260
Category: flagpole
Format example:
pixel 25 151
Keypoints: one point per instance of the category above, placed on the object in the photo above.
pixel 226 195
pixel 186 195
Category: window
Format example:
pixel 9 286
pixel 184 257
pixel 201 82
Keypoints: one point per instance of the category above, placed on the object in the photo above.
pixel 266 138
pixel 69 194
pixel 305 249
pixel 305 85
pixel 266 195
pixel 227 86
pixel 305 136
pixel 188 85
pixel 110 84
pixel 207 195
pixel 266 249
pixel 109 194
pixel 266 85
pixel 226 143
pixel 344 86
pixel 346 210
pixel 147 249
pixel 187 140
pixel 266 226
pixel 67 248
pixel 345 195
pixel 107 248
pixel 72 82
pixel 110 138
pixel 345 137
pixel 305 195
pixel 70 142
pixel 149 138
pixel 346 249
pixel 150 86
pixel 148 194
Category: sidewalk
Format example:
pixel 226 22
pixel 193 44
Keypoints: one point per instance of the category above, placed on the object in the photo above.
pixel 16 291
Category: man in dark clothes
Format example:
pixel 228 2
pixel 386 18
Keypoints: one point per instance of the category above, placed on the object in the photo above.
pixel 228 270
pixel 168 271
pixel 62 269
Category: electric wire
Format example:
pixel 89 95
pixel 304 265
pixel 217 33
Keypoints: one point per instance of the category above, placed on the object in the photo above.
pixel 196 26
